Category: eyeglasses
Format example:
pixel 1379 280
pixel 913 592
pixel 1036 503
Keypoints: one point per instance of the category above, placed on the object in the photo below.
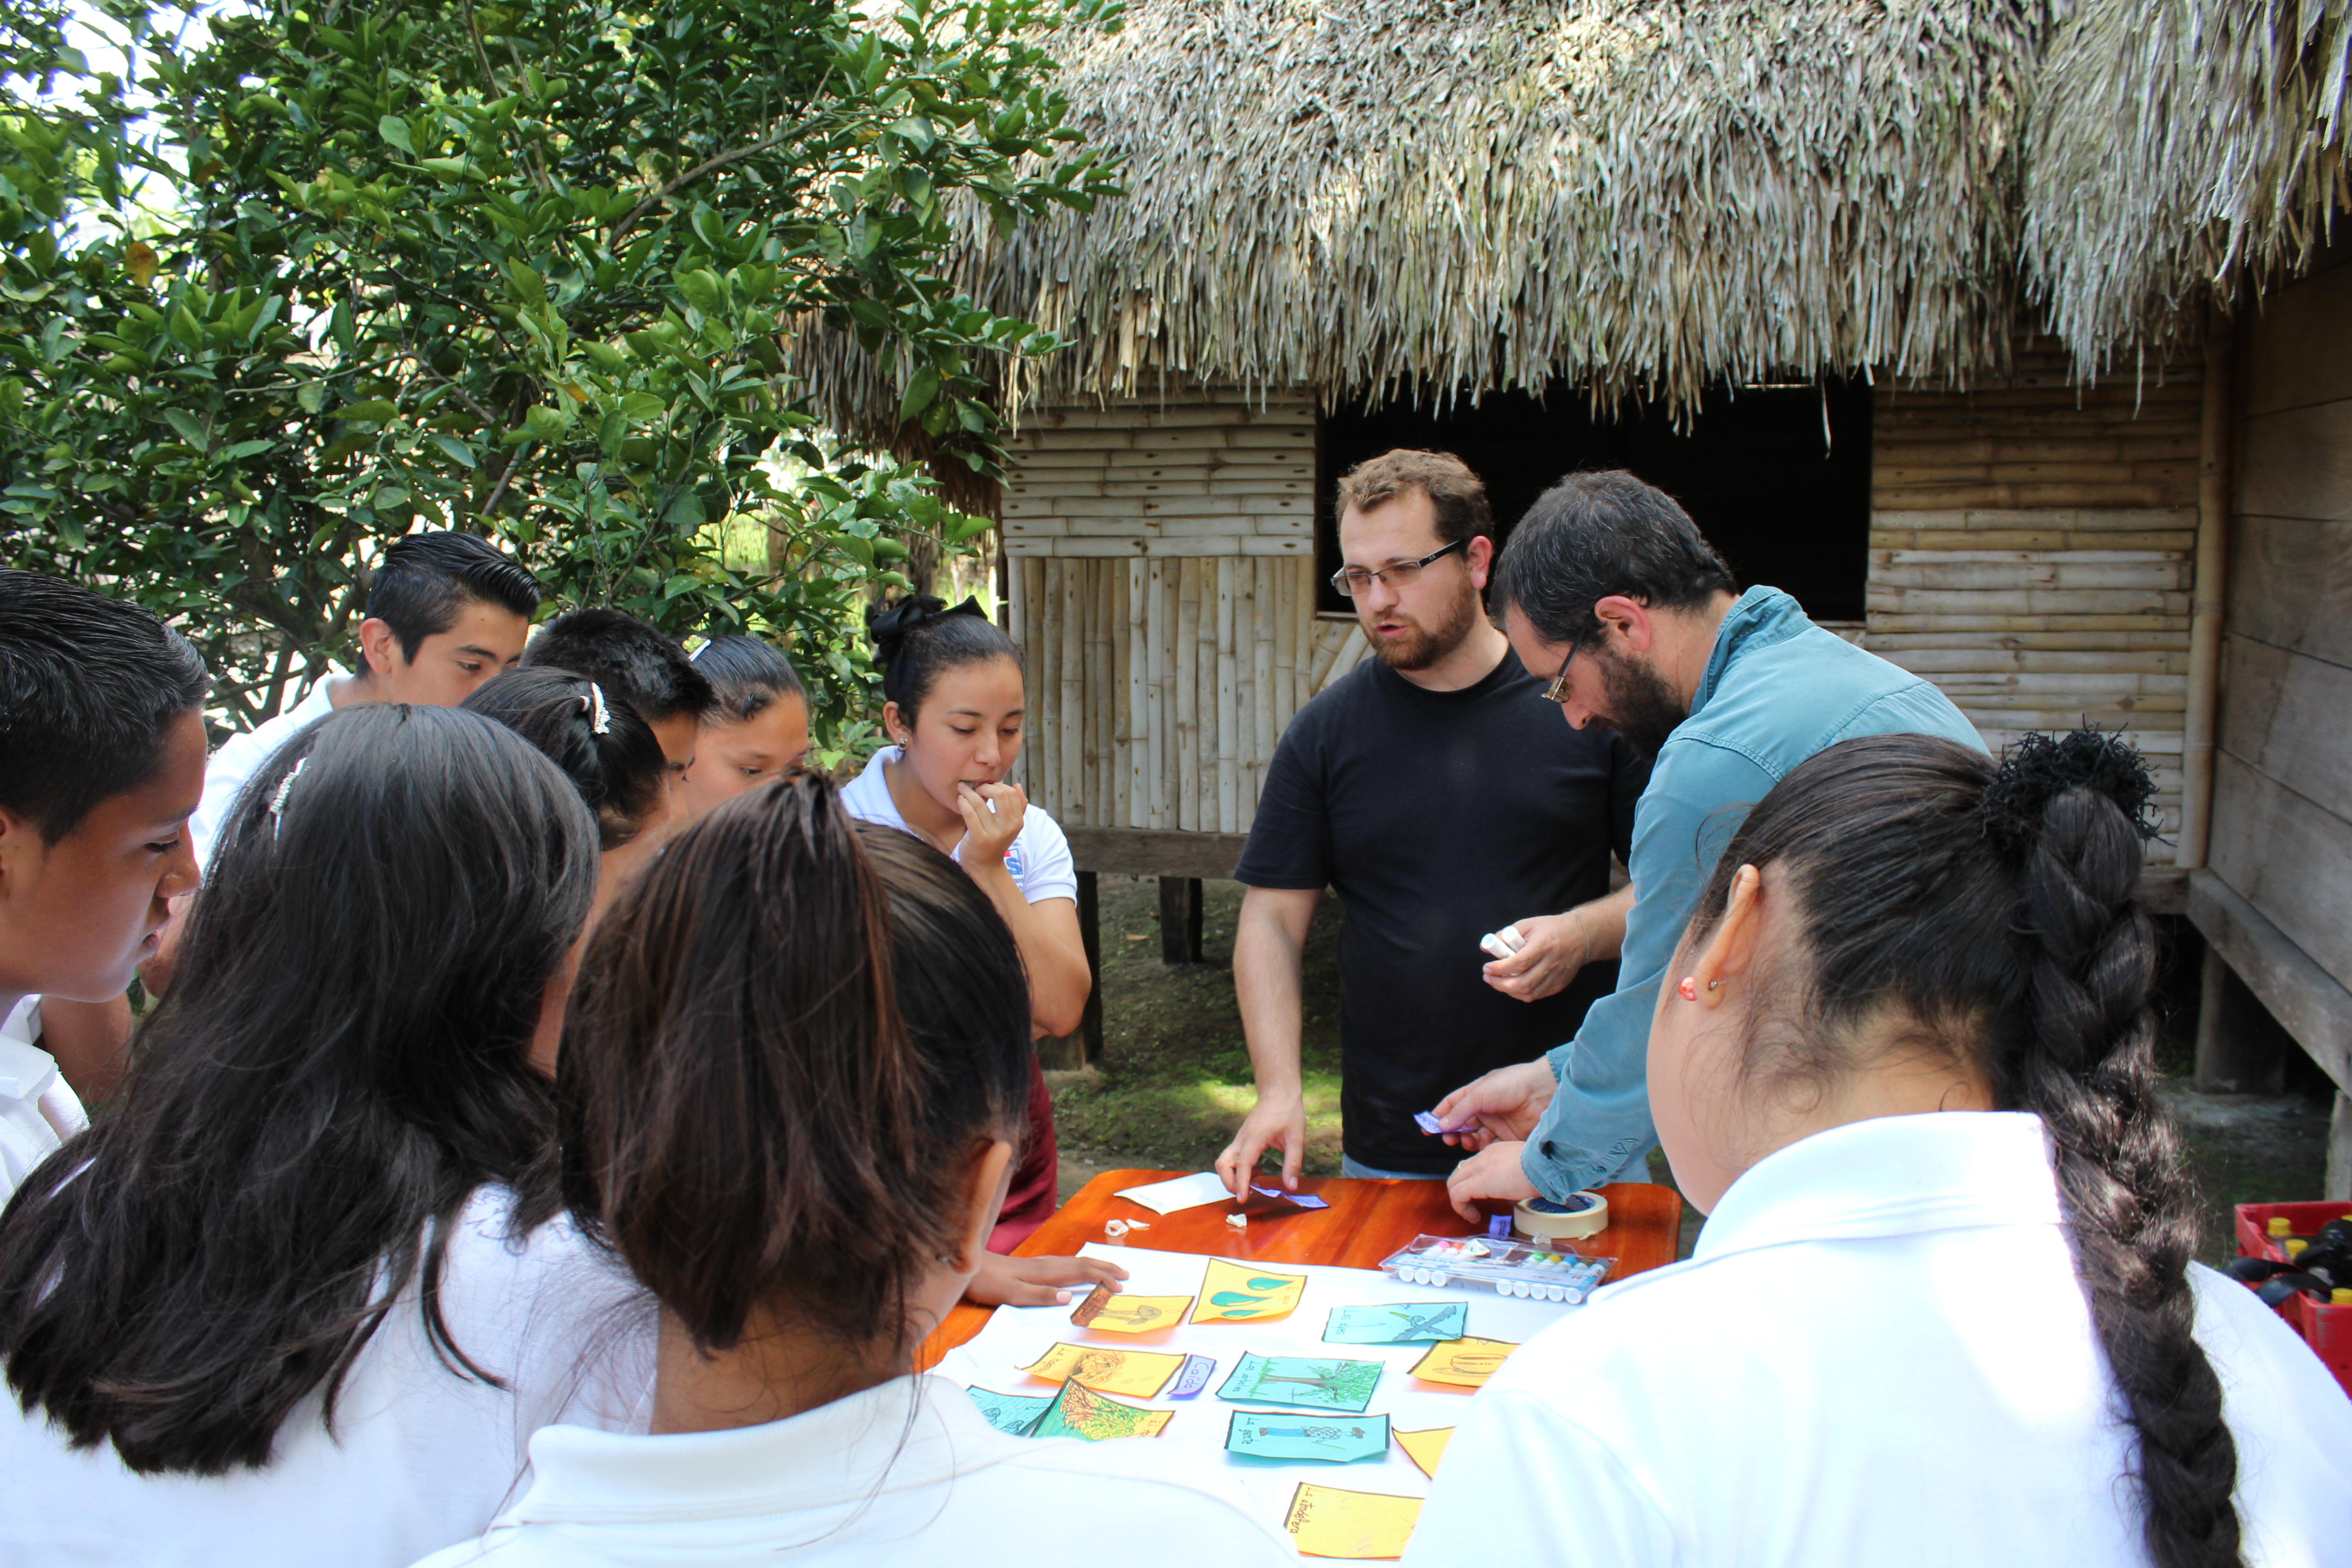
pixel 1351 581
pixel 1557 691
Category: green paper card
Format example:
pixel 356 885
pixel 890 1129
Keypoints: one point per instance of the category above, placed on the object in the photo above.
pixel 1401 1323
pixel 1309 1382
pixel 1013 1412
pixel 1334 1440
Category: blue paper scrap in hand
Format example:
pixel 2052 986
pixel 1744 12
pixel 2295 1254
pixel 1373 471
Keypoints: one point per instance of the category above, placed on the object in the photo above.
pixel 1333 1440
pixel 1304 1200
pixel 1429 1123
pixel 1193 1376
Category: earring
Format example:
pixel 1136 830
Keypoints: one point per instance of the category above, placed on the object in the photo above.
pixel 1715 986
pixel 1689 988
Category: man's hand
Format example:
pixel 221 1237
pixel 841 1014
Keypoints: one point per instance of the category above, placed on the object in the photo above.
pixel 1037 1282
pixel 1556 947
pixel 1274 1123
pixel 1493 1174
pixel 1506 1104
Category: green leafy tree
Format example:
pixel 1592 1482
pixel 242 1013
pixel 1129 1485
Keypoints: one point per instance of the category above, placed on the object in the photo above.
pixel 536 270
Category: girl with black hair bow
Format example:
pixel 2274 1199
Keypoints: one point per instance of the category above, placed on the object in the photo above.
pixel 1943 1309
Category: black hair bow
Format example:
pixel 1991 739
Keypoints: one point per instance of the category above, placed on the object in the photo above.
pixel 2040 768
pixel 889 628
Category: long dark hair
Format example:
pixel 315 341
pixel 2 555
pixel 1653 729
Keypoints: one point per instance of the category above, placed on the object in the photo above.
pixel 1996 908
pixel 748 1117
pixel 343 1058
pixel 611 755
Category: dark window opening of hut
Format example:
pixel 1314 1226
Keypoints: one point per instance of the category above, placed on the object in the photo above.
pixel 1785 506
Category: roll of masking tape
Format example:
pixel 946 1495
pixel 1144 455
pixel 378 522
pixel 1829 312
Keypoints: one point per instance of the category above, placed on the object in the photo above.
pixel 1585 1214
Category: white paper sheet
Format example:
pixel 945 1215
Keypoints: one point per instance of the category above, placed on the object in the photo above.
pixel 1194 1442
pixel 1183 1192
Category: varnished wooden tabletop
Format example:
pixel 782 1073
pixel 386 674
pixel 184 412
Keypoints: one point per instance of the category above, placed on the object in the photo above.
pixel 1366 1222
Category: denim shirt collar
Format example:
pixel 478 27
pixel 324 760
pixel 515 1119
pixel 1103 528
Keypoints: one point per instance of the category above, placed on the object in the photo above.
pixel 1760 616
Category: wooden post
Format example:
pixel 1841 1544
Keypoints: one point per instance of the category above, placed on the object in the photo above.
pixel 1304 588
pixel 1103 692
pixel 1160 711
pixel 1229 773
pixel 1070 713
pixel 1046 695
pixel 1286 646
pixel 2210 593
pixel 1135 792
pixel 1090 1026
pixel 1180 919
pixel 1185 654
pixel 1264 726
pixel 2241 1048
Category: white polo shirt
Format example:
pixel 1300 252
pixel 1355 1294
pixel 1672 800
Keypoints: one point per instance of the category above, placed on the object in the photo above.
pixel 1877 1353
pixel 38 1110
pixel 241 756
pixel 1039 861
pixel 420 1456
pixel 863 1482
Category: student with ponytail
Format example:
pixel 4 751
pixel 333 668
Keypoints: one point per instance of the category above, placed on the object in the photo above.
pixel 1944 1307
pixel 791 1092
pixel 955 711
pixel 290 1300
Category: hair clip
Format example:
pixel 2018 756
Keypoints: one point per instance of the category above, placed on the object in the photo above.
pixel 600 719
pixel 285 788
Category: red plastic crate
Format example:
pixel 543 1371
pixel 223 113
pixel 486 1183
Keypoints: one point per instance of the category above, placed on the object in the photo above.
pixel 2254 1239
pixel 2328 1330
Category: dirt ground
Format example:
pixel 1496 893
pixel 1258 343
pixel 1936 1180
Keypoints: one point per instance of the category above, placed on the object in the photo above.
pixel 1174 1081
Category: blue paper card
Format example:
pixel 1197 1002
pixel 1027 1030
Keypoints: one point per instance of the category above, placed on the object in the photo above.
pixel 1013 1413
pixel 1334 1440
pixel 1304 1200
pixel 1306 1381
pixel 1193 1376
pixel 1398 1323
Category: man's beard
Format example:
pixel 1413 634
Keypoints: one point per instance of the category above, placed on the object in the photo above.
pixel 1421 646
pixel 1642 705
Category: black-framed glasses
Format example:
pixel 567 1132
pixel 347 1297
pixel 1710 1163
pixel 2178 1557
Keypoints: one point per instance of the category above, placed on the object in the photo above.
pixel 1351 581
pixel 1557 691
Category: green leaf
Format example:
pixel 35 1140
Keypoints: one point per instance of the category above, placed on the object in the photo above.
pixel 394 130
pixel 920 390
pixel 191 431
pixel 375 410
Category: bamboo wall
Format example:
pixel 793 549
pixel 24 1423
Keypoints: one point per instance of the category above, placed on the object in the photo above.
pixel 1161 562
pixel 2031 552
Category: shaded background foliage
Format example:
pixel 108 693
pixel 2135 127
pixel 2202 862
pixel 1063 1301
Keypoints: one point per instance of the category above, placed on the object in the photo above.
pixel 309 277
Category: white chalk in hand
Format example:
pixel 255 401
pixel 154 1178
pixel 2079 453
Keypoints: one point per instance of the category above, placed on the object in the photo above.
pixel 1502 943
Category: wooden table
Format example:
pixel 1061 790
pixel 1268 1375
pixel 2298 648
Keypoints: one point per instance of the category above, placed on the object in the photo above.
pixel 1366 1222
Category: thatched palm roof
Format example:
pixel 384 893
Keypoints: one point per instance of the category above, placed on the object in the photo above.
pixel 1646 196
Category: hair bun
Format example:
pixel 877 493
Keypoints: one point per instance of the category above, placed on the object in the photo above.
pixel 890 629
pixel 2040 768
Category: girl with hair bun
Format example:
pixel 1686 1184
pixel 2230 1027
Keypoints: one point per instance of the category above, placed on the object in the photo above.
pixel 1944 1307
pixel 953 707
pixel 759 728
pixel 792 1091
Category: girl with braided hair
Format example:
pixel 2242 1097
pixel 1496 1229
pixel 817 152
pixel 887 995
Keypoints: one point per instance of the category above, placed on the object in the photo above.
pixel 1944 1307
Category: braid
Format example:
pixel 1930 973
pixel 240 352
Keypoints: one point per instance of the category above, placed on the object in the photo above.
pixel 2081 1055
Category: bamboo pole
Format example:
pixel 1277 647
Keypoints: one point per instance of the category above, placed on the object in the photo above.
pixel 1070 713
pixel 1101 676
pixel 1158 712
pixel 1027 577
pixel 1127 647
pixel 1304 588
pixel 1263 725
pixel 1135 804
pixel 1229 774
pixel 1185 654
pixel 1286 644
pixel 1246 692
pixel 1047 696
pixel 2210 600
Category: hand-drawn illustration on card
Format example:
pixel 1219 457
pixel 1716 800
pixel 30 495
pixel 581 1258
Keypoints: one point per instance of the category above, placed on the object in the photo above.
pixel 1079 1412
pixel 1397 1323
pixel 1326 1522
pixel 1013 1413
pixel 1107 1313
pixel 1467 1363
pixel 1194 1377
pixel 1231 1293
pixel 1425 1448
pixel 1139 1375
pixel 1334 1440
pixel 1308 1382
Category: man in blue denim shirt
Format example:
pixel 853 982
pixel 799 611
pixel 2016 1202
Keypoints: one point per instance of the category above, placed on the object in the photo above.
pixel 1608 582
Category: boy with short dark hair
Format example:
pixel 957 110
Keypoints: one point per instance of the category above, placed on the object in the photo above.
pixel 637 664
pixel 445 613
pixel 102 762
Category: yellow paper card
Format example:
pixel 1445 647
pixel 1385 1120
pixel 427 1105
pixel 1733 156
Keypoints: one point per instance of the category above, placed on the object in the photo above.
pixel 1328 1522
pixel 1425 1448
pixel 1467 1364
pixel 1139 1375
pixel 1118 1314
pixel 1232 1293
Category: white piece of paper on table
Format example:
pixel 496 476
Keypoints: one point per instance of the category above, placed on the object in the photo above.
pixel 1183 1192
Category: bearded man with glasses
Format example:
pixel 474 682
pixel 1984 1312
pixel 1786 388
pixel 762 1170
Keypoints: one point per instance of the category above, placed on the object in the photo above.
pixel 1608 583
pixel 1434 789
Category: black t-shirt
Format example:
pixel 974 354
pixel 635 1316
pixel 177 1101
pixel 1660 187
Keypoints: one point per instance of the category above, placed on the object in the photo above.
pixel 1439 816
